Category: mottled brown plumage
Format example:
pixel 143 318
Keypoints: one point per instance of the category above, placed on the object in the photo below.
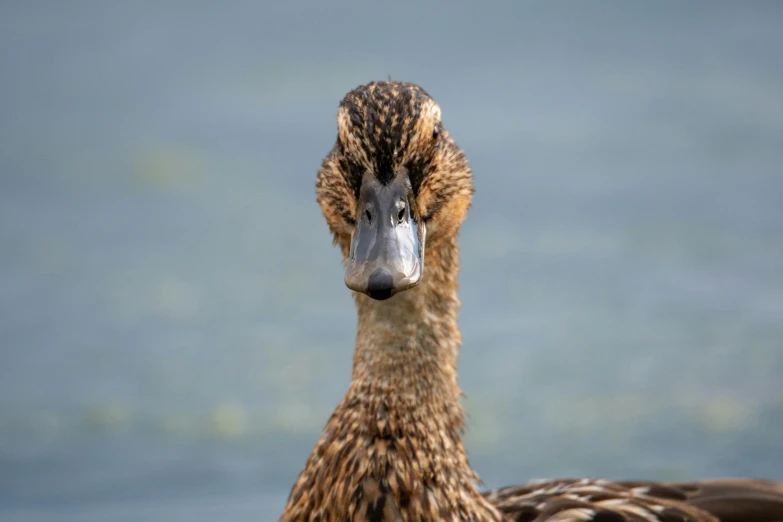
pixel 392 451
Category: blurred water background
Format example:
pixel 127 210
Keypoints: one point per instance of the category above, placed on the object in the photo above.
pixel 174 328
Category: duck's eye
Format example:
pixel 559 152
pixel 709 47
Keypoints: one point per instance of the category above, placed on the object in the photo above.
pixel 435 132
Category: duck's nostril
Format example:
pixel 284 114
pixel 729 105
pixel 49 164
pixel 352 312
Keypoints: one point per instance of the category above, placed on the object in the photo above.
pixel 368 215
pixel 380 285
pixel 401 214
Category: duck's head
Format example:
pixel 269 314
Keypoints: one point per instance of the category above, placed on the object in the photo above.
pixel 394 182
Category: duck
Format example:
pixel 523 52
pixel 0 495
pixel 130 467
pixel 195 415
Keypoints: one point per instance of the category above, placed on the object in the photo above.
pixel 394 191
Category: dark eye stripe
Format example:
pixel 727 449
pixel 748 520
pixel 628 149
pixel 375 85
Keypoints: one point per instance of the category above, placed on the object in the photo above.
pixel 352 173
pixel 435 207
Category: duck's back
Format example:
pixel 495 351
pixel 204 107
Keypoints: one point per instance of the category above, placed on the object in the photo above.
pixel 641 501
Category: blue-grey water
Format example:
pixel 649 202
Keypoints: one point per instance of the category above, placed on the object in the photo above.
pixel 174 329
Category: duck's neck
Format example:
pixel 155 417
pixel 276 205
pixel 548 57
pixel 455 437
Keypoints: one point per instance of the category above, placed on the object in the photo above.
pixel 407 346
pixel 392 451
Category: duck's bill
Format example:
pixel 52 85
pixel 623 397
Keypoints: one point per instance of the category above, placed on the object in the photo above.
pixel 387 245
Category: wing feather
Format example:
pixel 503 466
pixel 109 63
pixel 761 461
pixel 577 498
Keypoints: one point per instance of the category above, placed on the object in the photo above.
pixel 729 500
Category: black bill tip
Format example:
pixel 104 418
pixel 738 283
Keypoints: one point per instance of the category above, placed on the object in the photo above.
pixel 380 285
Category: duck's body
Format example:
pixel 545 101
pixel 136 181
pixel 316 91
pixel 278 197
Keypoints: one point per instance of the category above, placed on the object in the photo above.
pixel 392 451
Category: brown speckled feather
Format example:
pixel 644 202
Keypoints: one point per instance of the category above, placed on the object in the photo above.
pixel 586 499
pixel 392 450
